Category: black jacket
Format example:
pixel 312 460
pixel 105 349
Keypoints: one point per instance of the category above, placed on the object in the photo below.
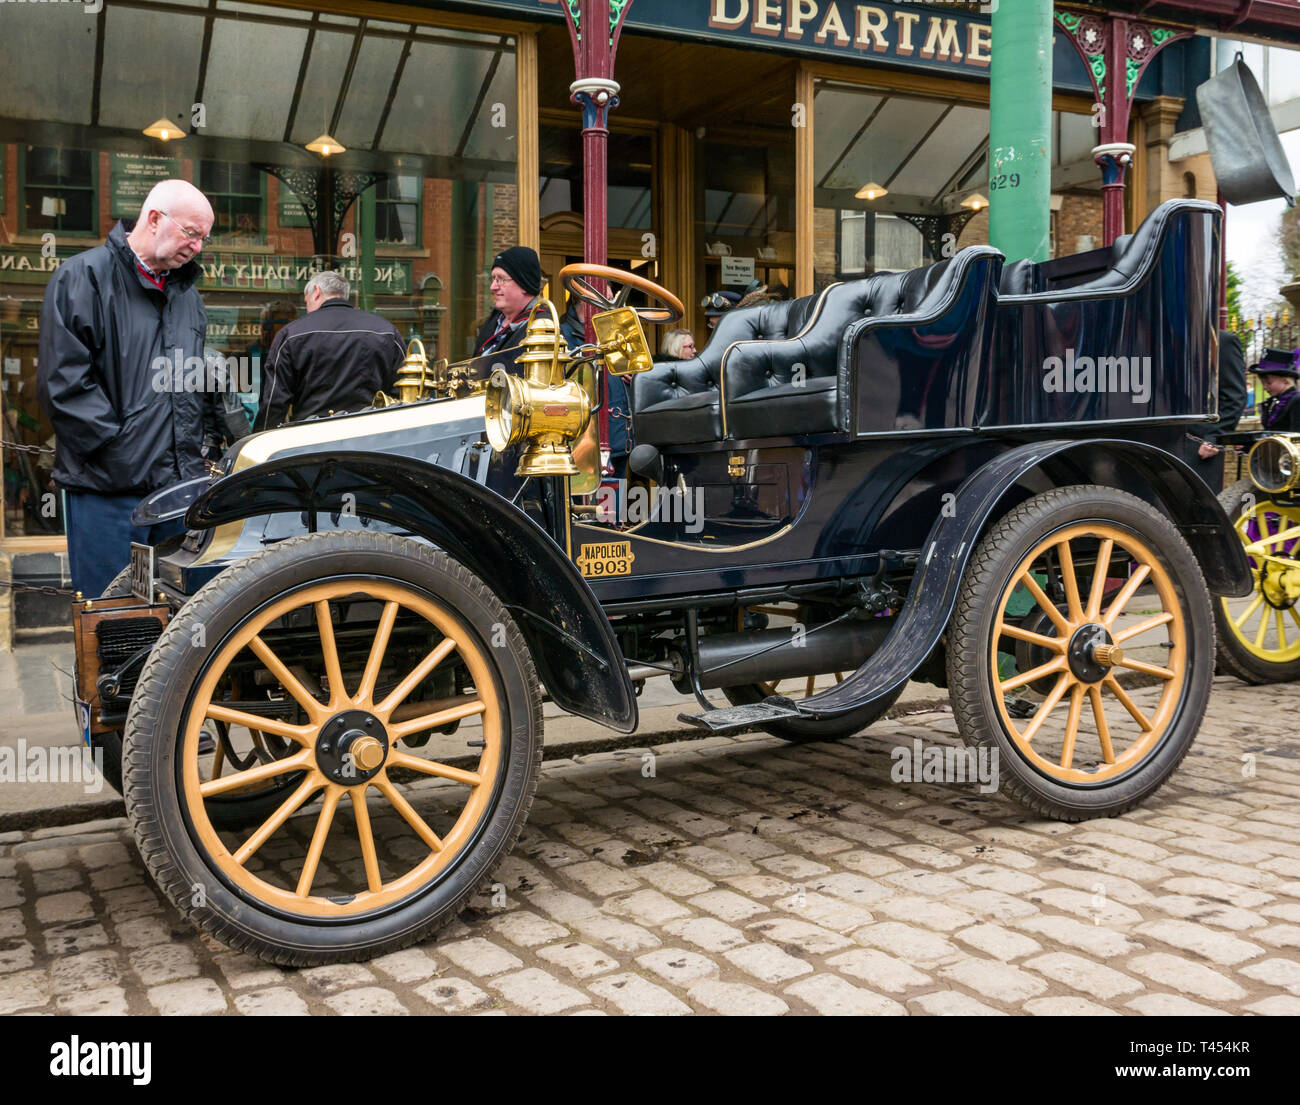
pixel 1280 414
pixel 333 359
pixel 121 422
pixel 1232 386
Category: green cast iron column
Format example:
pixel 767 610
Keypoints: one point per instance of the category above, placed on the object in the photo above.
pixel 1020 129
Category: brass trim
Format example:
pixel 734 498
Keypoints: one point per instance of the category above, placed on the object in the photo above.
pixel 718 549
pixel 804 182
pixel 527 141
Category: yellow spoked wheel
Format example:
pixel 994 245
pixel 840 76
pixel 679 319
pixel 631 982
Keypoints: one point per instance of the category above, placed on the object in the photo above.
pixel 376 661
pixel 1259 636
pixel 1076 650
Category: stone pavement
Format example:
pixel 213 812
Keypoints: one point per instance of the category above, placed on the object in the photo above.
pixel 748 876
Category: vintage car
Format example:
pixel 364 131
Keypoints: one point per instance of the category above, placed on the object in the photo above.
pixel 1259 636
pixel 971 474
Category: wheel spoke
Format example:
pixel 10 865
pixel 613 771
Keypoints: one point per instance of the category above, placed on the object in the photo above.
pixel 1039 672
pixel 1146 669
pixel 808 687
pixel 432 767
pixel 300 734
pixel 441 717
pixel 1072 725
pixel 1066 560
pixel 1049 607
pixel 218 758
pixel 358 795
pixel 1049 704
pixel 1255 604
pixel 1281 630
pixel 1143 627
pixel 768 689
pixel 288 680
pixel 306 789
pixel 1125 593
pixel 403 807
pixel 399 693
pixel 332 796
pixel 1262 631
pixel 1103 730
pixel 1099 577
pixel 300 762
pixel 1053 644
pixel 333 670
pixel 377 650
pixel 1128 704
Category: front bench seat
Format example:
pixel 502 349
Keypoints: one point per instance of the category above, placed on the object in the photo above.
pixel 680 402
pixel 766 394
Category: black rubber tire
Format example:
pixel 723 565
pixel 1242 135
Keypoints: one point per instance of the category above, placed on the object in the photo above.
pixel 1233 658
pixel 970 679
pixel 171 849
pixel 806 731
pixel 110 744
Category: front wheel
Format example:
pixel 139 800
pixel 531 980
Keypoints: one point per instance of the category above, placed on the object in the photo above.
pixel 1103 703
pixel 1259 636
pixel 378 663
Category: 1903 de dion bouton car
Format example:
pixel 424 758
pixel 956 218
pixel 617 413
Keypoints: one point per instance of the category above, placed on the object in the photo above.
pixel 968 474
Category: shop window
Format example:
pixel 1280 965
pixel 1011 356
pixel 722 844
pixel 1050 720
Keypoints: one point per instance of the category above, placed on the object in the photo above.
pixel 59 190
pixel 397 209
pixel 237 192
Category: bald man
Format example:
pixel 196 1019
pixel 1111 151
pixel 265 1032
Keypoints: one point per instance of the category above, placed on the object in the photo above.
pixel 121 327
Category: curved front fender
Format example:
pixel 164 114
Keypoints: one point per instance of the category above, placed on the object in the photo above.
pixel 571 641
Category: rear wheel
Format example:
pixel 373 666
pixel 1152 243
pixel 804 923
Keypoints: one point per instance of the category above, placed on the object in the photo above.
pixel 381 647
pixel 1125 603
pixel 1259 636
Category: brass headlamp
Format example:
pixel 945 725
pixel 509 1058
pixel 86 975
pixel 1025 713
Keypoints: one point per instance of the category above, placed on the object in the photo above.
pixel 1275 463
pixel 541 407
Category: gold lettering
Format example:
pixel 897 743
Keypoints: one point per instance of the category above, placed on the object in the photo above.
pixel 764 11
pixel 800 12
pixel 906 21
pixel 872 24
pixel 942 41
pixel 833 24
pixel 718 16
pixel 979 45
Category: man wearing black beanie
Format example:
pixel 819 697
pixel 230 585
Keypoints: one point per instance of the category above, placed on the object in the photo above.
pixel 516 280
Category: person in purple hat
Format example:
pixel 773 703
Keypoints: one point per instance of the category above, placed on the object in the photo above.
pixel 1280 413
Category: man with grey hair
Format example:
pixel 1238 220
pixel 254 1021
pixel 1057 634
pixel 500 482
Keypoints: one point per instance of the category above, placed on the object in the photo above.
pixel 333 359
pixel 122 430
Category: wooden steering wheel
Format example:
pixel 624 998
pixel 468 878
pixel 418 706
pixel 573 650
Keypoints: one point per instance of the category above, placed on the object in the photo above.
pixel 575 277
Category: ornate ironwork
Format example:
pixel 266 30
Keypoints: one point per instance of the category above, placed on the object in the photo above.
pixel 934 228
pixel 326 193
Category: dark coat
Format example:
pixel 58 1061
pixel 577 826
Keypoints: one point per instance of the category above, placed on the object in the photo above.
pixel 1280 414
pixel 1232 386
pixel 122 424
pixel 333 359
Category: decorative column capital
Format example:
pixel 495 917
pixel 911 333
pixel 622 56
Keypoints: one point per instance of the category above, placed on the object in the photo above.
pixel 1114 158
pixel 597 96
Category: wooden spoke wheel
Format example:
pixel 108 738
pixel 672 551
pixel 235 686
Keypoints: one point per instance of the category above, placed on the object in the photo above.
pixel 404 733
pixel 1259 636
pixel 1099 709
pixel 804 686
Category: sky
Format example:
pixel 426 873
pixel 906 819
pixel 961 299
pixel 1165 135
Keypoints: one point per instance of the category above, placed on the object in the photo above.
pixel 1252 239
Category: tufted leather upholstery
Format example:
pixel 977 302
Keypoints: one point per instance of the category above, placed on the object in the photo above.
pixel 678 402
pixel 777 369
pixel 764 392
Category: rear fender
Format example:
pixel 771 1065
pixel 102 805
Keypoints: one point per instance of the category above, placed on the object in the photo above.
pixel 954 535
pixel 571 641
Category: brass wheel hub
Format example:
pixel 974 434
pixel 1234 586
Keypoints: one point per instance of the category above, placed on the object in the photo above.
pixel 1092 653
pixel 352 747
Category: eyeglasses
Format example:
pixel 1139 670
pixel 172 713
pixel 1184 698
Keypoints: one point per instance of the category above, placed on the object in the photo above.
pixel 499 280
pixel 192 235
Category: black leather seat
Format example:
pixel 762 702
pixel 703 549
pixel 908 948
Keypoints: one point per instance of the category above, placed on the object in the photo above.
pixel 766 392
pixel 680 402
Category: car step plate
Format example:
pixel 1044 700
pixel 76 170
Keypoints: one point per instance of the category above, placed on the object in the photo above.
pixel 735 718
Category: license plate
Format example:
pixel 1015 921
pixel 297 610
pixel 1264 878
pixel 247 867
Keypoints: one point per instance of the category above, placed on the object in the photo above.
pixel 142 571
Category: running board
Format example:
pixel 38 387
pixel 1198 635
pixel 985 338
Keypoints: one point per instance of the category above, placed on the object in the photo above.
pixel 736 719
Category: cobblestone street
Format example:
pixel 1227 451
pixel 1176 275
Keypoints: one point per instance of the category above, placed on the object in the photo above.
pixel 750 876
